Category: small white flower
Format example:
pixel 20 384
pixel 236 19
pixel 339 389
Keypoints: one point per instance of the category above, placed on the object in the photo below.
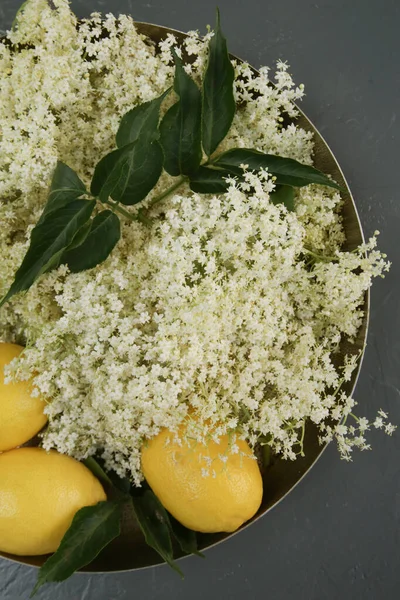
pixel 363 424
pixel 216 308
pixel 389 428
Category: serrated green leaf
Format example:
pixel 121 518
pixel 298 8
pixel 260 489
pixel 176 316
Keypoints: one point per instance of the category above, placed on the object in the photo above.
pixel 180 129
pixel 49 239
pixel 92 528
pixel 186 538
pixel 284 194
pixel 207 180
pixel 66 187
pixel 218 100
pixel 128 174
pixel 141 122
pixel 286 170
pixel 104 234
pixel 153 521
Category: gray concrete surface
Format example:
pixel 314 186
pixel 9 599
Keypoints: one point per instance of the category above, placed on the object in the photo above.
pixel 336 537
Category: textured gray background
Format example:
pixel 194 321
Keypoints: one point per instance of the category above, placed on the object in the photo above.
pixel 337 535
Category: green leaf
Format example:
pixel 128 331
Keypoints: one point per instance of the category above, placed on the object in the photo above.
pixel 218 100
pixel 154 523
pixel 112 481
pixel 81 235
pixel 266 455
pixel 92 464
pixel 286 170
pixel 49 239
pixel 122 485
pixel 284 194
pixel 141 122
pixel 65 187
pixel 180 128
pixel 92 528
pixel 186 538
pixel 129 173
pixel 207 180
pixel 104 234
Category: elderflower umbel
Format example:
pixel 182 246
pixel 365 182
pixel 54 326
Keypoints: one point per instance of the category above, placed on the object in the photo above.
pixel 216 308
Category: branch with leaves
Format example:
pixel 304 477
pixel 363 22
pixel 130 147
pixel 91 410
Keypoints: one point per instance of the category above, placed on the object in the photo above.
pixel 80 228
pixel 94 527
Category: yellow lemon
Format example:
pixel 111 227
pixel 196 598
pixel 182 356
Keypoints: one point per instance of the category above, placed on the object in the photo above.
pixel 40 492
pixel 21 416
pixel 221 500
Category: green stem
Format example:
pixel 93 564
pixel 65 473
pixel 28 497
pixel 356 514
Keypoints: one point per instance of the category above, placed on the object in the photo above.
pixel 335 393
pixel 302 438
pixel 141 215
pixel 121 210
pixel 320 256
pixel 167 192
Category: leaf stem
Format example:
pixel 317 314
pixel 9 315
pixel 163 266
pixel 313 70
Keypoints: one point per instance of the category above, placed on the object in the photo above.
pixel 303 431
pixel 118 208
pixel 320 257
pixel 141 215
pixel 168 191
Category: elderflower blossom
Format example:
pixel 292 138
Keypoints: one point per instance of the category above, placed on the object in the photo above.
pixel 229 306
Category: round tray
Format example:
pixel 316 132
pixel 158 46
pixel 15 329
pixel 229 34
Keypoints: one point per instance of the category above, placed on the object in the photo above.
pixel 129 551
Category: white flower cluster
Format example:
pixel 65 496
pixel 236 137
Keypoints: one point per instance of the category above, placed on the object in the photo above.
pixel 228 307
